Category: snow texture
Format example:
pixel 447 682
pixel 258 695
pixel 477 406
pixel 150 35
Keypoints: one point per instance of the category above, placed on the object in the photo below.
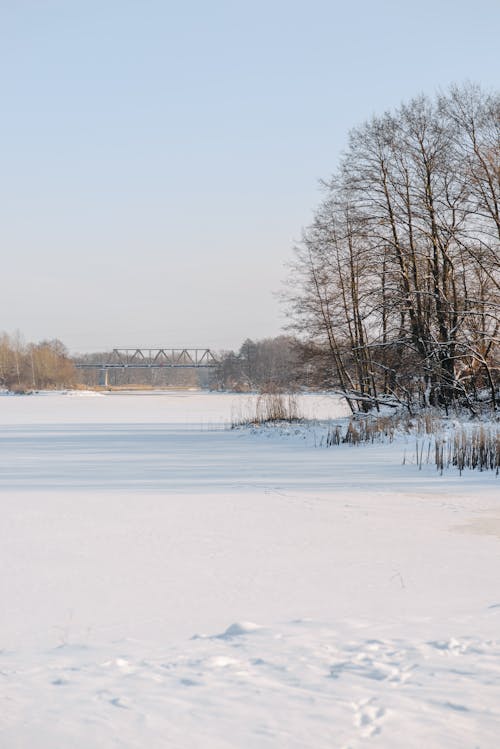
pixel 169 582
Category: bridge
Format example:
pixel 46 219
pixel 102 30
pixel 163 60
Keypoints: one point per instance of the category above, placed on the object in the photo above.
pixel 152 358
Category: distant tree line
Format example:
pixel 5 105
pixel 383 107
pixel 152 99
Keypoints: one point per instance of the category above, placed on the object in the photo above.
pixel 396 283
pixel 32 366
pixel 270 364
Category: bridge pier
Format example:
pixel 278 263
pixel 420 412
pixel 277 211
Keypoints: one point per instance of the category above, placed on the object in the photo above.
pixel 104 377
pixel 203 378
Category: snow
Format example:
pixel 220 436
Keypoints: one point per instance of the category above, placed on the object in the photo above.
pixel 168 581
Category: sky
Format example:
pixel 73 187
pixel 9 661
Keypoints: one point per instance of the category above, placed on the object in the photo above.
pixel 159 159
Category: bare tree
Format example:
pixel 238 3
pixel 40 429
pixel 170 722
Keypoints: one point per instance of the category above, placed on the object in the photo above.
pixel 34 366
pixel 398 276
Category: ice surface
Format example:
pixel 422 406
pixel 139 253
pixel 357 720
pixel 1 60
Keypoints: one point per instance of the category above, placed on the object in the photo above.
pixel 167 581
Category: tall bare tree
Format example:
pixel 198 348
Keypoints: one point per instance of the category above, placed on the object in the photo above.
pixel 398 276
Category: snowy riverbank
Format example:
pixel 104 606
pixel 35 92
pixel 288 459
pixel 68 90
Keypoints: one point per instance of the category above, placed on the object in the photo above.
pixel 133 524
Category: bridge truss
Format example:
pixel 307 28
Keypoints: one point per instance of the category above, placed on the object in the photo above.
pixel 152 358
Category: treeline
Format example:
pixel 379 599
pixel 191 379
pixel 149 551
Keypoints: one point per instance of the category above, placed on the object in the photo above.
pixel 269 364
pixel 32 366
pixel 397 280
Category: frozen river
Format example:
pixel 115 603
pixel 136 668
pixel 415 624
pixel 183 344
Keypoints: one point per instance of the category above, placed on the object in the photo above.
pixel 338 596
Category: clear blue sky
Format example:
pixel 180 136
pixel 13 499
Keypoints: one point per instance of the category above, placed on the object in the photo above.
pixel 160 158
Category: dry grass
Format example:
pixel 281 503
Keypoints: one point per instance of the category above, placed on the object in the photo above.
pixel 475 448
pixel 436 440
pixel 271 408
pixel 381 428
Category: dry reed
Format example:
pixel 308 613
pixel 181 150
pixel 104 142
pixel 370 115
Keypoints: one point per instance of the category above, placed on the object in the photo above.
pixel 475 448
pixel 271 408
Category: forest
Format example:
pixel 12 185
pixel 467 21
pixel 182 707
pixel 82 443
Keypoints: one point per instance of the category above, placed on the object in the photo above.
pixel 397 278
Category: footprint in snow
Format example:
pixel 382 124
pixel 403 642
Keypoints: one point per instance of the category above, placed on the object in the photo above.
pixel 238 629
pixel 120 702
pixel 368 717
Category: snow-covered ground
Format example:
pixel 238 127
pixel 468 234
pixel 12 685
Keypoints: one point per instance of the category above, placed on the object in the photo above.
pixel 169 582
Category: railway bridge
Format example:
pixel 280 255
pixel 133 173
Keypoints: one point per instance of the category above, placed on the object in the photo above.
pixel 152 358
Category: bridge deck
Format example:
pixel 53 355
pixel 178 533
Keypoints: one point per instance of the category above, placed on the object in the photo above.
pixel 155 358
